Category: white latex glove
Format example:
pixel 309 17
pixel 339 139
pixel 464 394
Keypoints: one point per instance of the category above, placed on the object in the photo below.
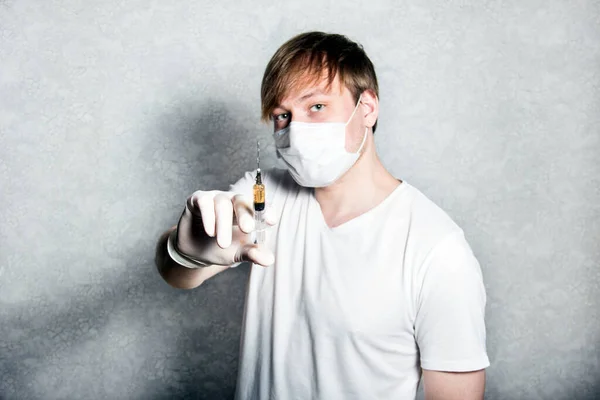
pixel 215 229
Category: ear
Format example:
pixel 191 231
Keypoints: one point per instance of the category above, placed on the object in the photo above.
pixel 369 107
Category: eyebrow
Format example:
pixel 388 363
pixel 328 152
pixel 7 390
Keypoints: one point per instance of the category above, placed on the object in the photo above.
pixel 305 97
pixel 311 94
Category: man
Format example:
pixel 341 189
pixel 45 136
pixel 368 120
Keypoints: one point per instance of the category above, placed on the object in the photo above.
pixel 363 285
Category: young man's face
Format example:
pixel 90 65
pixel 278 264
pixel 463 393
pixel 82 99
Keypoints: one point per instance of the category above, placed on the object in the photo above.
pixel 315 102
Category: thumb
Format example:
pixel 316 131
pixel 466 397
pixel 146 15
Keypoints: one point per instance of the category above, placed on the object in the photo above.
pixel 256 254
pixel 271 216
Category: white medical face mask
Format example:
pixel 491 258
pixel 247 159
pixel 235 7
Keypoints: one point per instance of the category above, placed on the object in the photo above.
pixel 315 152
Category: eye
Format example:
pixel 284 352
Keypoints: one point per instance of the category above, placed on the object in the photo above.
pixel 317 107
pixel 281 117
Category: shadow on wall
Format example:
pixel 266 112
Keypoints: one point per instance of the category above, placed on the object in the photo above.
pixel 213 143
pixel 186 343
pixel 221 148
pixel 218 147
pixel 191 353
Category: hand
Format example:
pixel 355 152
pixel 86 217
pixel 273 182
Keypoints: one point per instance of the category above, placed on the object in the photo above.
pixel 215 229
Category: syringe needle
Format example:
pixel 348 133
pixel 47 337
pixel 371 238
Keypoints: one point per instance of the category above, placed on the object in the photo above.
pixel 258 154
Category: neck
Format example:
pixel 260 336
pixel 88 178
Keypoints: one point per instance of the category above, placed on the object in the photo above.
pixel 364 186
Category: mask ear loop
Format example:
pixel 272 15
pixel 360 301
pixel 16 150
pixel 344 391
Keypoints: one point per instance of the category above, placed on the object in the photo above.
pixel 363 141
pixel 366 129
pixel 354 112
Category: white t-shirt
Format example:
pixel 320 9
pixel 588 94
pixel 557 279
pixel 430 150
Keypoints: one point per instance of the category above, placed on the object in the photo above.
pixel 355 311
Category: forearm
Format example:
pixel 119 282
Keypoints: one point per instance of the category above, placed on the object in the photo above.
pixel 177 275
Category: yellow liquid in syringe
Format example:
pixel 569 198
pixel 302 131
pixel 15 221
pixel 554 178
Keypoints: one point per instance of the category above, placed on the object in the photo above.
pixel 259 209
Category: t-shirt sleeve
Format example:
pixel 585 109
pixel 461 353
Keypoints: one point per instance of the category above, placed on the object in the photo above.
pixel 449 322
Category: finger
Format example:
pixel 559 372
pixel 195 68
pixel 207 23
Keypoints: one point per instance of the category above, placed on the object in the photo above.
pixel 242 207
pixel 257 254
pixel 205 203
pixel 224 218
pixel 192 203
pixel 271 216
pixel 186 224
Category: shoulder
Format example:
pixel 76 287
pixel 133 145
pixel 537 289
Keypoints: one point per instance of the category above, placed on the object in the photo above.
pixel 429 225
pixel 428 218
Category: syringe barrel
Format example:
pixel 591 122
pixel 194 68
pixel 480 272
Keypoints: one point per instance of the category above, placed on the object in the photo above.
pixel 260 229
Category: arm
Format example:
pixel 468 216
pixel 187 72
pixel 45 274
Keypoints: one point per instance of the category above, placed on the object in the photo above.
pixel 450 322
pixel 178 276
pixel 440 385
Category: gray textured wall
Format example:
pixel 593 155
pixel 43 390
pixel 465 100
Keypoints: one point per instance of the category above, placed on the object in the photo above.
pixel 112 112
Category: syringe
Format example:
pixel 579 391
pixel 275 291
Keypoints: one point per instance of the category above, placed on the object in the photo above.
pixel 259 202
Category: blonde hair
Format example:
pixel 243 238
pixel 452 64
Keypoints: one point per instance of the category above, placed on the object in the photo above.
pixel 310 56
